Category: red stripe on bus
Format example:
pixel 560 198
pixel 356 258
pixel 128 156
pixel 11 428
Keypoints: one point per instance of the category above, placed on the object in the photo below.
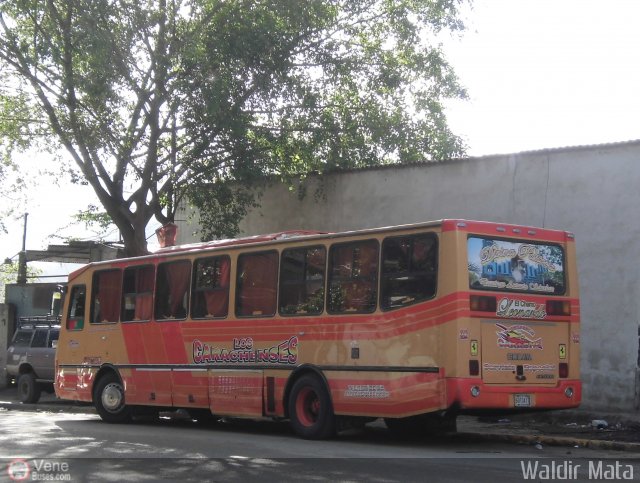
pixel 170 341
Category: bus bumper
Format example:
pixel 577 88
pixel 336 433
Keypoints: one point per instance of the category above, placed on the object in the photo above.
pixel 474 394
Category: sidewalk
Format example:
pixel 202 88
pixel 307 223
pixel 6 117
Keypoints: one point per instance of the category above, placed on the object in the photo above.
pixel 558 428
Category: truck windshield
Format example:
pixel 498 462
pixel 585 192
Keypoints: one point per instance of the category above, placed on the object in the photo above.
pixel 515 266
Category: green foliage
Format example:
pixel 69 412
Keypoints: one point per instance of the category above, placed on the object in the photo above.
pixel 170 100
pixel 221 208
pixel 92 216
pixel 9 274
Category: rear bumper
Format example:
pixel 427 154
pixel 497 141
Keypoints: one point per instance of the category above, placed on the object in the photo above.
pixel 493 396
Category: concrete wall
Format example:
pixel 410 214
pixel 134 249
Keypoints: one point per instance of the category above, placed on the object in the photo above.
pixel 30 298
pixel 592 191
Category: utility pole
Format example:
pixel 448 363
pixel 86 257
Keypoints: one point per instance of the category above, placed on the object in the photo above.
pixel 22 256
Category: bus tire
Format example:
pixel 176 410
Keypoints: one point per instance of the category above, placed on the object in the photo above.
pixel 28 389
pixel 108 399
pixel 310 409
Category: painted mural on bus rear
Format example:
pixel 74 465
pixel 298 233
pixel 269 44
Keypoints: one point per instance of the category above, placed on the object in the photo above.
pixel 331 330
pixel 515 266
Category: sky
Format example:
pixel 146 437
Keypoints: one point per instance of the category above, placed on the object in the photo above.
pixel 539 74
pixel 547 73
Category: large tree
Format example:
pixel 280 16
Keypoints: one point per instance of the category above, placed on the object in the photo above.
pixel 164 101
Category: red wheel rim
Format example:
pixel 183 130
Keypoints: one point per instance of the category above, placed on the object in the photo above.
pixel 307 406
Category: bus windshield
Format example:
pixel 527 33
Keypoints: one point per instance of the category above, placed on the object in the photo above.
pixel 515 266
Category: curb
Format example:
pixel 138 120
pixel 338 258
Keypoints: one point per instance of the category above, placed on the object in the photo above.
pixel 468 435
pixel 551 441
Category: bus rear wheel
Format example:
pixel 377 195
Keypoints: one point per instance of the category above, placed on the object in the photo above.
pixel 310 409
pixel 108 399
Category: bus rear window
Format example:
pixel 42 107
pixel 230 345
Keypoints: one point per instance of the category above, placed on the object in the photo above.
pixel 515 266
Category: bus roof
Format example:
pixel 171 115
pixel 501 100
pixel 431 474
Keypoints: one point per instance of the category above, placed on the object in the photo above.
pixel 481 227
pixel 283 235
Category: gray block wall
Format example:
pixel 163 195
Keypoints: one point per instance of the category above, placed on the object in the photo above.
pixel 593 191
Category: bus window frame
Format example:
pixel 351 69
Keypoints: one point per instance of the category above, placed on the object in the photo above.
pixel 375 284
pixel 72 290
pixel 124 294
pixel 238 289
pixel 324 280
pixel 92 298
pixel 521 241
pixel 187 293
pixel 436 272
pixel 194 287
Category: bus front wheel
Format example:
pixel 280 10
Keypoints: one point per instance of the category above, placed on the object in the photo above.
pixel 310 409
pixel 109 401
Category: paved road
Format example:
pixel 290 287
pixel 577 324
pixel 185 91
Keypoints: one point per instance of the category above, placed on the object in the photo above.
pixel 80 447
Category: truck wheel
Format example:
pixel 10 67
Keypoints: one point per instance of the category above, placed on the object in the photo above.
pixel 108 398
pixel 310 409
pixel 28 388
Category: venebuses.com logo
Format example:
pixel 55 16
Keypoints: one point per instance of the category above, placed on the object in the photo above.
pixel 38 470
pixel 19 470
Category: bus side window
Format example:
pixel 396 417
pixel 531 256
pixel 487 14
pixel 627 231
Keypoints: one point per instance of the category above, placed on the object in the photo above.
pixel 302 273
pixel 409 270
pixel 137 293
pixel 353 277
pixel 75 317
pixel 172 290
pixel 210 292
pixel 256 284
pixel 105 296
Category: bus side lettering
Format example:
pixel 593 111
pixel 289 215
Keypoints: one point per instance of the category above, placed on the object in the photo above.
pixel 284 353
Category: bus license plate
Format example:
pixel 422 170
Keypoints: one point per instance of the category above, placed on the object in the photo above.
pixel 522 400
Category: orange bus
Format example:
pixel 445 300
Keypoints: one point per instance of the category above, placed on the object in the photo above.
pixel 414 324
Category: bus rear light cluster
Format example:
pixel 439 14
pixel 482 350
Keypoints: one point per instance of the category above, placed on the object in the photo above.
pixel 474 367
pixel 563 370
pixel 483 303
pixel 558 307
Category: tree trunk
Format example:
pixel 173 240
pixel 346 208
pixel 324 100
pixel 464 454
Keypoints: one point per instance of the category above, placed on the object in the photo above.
pixel 134 237
pixel 135 245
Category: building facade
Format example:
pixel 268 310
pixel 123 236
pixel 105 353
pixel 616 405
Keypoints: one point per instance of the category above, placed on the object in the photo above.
pixel 592 191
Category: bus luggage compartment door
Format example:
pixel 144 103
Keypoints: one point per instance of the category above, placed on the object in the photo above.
pixel 236 392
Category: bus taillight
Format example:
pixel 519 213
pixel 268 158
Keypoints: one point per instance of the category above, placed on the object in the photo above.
pixel 483 303
pixel 558 307
pixel 474 367
pixel 563 370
